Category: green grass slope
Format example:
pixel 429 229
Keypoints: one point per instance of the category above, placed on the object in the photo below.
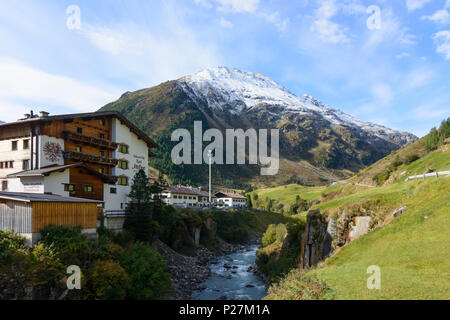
pixel 413 250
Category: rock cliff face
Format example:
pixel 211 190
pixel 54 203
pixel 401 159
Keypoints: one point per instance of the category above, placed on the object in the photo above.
pixel 324 235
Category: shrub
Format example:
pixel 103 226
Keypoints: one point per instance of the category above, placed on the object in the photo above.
pixel 274 233
pixel 9 242
pixel 148 272
pixel 109 251
pixel 411 158
pixel 382 177
pixel 108 280
pixel 71 246
pixel 297 286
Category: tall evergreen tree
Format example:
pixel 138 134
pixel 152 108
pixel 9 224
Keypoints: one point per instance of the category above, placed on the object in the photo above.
pixel 138 217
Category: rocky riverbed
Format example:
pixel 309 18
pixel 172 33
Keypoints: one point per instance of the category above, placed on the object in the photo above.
pixel 190 272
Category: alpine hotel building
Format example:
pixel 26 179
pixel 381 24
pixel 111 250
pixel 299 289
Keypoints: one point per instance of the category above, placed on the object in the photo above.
pixel 92 156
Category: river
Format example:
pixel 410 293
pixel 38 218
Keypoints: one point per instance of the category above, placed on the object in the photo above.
pixel 234 283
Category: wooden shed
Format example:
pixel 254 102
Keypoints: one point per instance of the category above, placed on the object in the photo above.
pixel 27 213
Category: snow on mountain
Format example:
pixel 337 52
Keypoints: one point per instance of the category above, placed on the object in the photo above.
pixel 236 91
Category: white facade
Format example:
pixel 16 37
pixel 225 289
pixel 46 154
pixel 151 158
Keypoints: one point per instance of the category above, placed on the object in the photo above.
pixel 136 159
pixel 235 202
pixel 16 157
pixel 180 199
pixel 12 161
pixel 53 183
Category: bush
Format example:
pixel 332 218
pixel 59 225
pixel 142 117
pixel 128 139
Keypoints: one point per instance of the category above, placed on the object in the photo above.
pixel 411 158
pixel 108 280
pixel 382 177
pixel 9 242
pixel 108 252
pixel 147 271
pixel 297 286
pixel 71 246
pixel 274 233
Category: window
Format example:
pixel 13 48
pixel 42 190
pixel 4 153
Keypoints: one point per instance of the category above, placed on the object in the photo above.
pixel 123 148
pixel 1 165
pixel 101 170
pixel 14 145
pixel 102 122
pixel 123 164
pixel 11 164
pixel 4 185
pixel 26 165
pixel 79 130
pixel 102 136
pixel 69 187
pixel 113 190
pixel 26 144
pixel 79 149
pixel 102 153
pixel 88 188
pixel 123 181
pixel 175 197
pixel 185 197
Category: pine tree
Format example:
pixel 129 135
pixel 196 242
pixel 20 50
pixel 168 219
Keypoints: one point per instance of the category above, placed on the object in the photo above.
pixel 138 219
pixel 249 201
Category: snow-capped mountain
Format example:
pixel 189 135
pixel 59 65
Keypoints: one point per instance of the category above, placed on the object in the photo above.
pixel 239 91
pixel 318 143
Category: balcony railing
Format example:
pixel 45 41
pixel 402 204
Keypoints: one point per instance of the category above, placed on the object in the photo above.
pixel 93 141
pixel 91 158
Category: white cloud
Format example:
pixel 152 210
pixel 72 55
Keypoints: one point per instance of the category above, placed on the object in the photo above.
pixel 110 41
pixel 330 32
pixel 225 23
pixel 416 4
pixel 326 30
pixel 24 87
pixel 442 39
pixel 391 30
pixel 440 16
pixel 238 6
pixel 153 57
pixel 275 19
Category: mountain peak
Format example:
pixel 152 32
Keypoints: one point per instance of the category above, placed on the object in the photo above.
pixel 234 90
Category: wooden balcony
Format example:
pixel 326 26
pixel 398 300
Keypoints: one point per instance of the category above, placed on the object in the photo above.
pixel 93 141
pixel 90 158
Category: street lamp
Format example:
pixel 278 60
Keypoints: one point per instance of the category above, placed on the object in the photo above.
pixel 210 161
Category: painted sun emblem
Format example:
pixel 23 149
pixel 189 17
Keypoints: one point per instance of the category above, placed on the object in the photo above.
pixel 52 151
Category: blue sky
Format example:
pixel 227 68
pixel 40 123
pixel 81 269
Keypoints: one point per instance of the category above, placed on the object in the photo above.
pixel 382 61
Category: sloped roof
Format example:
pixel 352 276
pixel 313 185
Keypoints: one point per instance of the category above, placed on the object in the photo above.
pixel 229 195
pixel 42 197
pixel 132 126
pixel 42 172
pixel 181 190
pixel 49 170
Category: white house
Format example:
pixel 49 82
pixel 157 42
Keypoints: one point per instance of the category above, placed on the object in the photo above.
pixel 179 196
pixel 230 200
pixel 90 156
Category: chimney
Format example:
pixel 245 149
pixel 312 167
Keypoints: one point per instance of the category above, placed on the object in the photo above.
pixel 43 114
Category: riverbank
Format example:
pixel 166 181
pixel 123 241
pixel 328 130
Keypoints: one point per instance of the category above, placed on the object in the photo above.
pixel 189 272
pixel 233 277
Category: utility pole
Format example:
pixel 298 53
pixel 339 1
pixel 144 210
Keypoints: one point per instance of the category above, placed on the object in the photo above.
pixel 210 157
